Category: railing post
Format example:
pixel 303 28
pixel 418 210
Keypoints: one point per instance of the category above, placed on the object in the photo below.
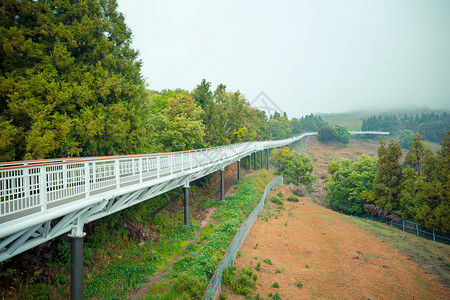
pixel 141 169
pixel 158 165
pixel 417 229
pixel 117 172
pixel 64 170
pixel 87 179
pixel 26 183
pixel 43 188
pixel 403 225
pixel 434 235
pixel 171 164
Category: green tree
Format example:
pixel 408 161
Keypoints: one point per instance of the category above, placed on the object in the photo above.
pixel 389 175
pixel 70 83
pixel 341 134
pixel 350 183
pixel 417 153
pixel 325 134
pixel 178 125
pixel 424 196
pixel 296 168
pixel 406 139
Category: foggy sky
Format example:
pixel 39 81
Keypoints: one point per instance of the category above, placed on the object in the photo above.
pixel 307 56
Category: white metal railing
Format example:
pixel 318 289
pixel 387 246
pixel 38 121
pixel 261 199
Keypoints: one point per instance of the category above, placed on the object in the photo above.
pixel 35 186
pixel 30 187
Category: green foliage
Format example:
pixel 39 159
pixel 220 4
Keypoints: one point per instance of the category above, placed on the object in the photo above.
pixel 70 82
pixel 406 138
pixel 299 283
pixel 329 134
pixel 308 123
pixel 193 285
pixel 389 176
pixel 242 283
pixel 39 291
pixel 332 168
pixel 268 261
pixel 425 187
pixel 258 266
pixel 418 192
pixel 276 200
pixel 176 124
pixel 292 198
pixel 341 134
pixel 347 185
pixel 325 134
pixel 296 168
pixel 276 296
pixel 275 285
pixel 432 126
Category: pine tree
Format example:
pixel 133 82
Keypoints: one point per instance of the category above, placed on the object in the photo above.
pixel 70 83
pixel 389 175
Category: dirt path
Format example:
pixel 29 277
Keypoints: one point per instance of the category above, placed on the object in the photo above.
pixel 333 258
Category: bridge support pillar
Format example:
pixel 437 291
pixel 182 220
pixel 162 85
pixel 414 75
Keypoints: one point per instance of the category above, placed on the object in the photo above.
pixel 222 184
pixel 187 215
pixel 239 170
pixel 255 162
pixel 262 159
pixel 250 162
pixel 267 157
pixel 76 274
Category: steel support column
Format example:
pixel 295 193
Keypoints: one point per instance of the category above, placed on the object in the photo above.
pixel 250 162
pixel 267 157
pixel 262 159
pixel 222 184
pixel 256 162
pixel 76 275
pixel 239 170
pixel 187 215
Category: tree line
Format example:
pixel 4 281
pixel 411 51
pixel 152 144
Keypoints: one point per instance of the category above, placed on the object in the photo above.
pixel 417 188
pixel 432 126
pixel 71 85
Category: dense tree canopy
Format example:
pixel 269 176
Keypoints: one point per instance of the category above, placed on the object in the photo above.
pixel 328 133
pixel 418 190
pixel 389 175
pixel 350 183
pixel 432 126
pixel 70 84
pixel 296 168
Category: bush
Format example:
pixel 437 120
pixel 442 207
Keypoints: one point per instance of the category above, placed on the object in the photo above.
pixel 39 291
pixel 276 200
pixel 275 285
pixel 268 261
pixel 299 191
pixel 292 198
pixel 299 283
pixel 242 284
pixel 258 266
pixel 276 296
pixel 191 284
